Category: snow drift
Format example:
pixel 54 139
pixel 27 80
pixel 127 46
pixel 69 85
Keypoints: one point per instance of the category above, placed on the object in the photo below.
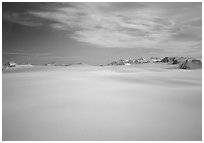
pixel 142 102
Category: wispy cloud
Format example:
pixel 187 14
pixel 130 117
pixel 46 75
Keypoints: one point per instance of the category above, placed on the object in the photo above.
pixel 22 53
pixel 121 25
pixel 64 57
pixel 40 55
pixel 13 53
pixel 19 50
pixel 21 18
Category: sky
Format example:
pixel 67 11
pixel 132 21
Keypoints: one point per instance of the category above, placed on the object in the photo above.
pixel 98 33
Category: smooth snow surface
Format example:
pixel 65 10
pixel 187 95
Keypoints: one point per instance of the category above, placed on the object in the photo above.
pixel 140 102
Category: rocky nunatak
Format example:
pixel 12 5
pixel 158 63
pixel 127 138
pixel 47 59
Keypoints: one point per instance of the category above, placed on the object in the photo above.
pixel 181 62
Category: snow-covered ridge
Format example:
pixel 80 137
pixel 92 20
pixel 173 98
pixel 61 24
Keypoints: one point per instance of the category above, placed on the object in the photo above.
pixel 181 62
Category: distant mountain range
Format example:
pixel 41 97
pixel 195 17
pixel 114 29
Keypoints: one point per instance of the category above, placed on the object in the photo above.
pixel 181 62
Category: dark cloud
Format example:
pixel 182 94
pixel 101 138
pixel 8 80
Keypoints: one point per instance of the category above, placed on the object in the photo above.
pixel 196 23
pixel 19 12
pixel 115 25
pixel 22 7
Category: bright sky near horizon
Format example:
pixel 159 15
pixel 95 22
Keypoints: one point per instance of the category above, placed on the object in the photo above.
pixel 98 33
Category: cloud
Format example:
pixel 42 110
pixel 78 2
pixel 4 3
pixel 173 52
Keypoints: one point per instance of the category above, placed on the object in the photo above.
pixel 18 50
pixel 21 18
pixel 40 55
pixel 120 25
pixel 13 53
pixel 64 57
pixel 22 53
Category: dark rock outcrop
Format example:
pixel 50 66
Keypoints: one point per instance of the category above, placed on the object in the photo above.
pixel 142 60
pixel 190 64
pixel 51 64
pixel 170 60
pixel 10 64
pixel 165 60
pixel 128 62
